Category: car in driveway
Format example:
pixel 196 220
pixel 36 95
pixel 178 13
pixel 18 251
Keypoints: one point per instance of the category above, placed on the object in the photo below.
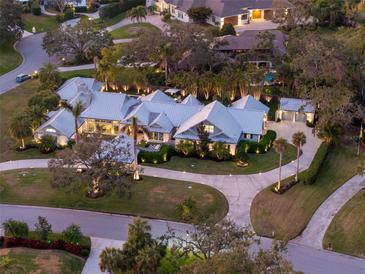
pixel 22 77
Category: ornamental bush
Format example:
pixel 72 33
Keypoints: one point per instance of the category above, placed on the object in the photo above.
pixel 15 228
pixel 220 152
pixel 186 210
pixel 257 147
pixel 156 157
pixel 115 9
pixel 311 174
pixel 227 29
pixel 36 9
pixel 72 234
pixel 48 144
pixel 186 148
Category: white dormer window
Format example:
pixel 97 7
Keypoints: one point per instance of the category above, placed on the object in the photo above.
pixel 209 128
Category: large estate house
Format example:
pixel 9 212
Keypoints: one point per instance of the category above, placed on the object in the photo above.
pixel 236 12
pixel 160 118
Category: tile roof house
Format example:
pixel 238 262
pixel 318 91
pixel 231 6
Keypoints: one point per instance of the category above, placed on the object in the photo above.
pixel 236 12
pixel 296 110
pixel 159 117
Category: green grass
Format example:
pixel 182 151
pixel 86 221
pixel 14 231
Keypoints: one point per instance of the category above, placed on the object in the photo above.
pixel 151 197
pixel 288 214
pixel 132 30
pixel 111 21
pixel 89 73
pixel 346 233
pixel 257 163
pixel 12 102
pixel 42 23
pixel 9 57
pixel 26 260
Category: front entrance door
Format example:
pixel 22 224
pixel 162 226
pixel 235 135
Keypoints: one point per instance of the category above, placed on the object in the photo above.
pixel 256 14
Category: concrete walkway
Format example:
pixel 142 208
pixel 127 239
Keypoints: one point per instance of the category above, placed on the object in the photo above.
pixel 45 12
pixel 239 190
pixel 72 68
pixel 97 246
pixel 314 232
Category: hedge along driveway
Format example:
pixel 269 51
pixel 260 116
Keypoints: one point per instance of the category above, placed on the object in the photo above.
pixel 287 215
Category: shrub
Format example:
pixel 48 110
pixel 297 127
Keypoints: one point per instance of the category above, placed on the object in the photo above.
pixel 43 228
pixel 157 157
pixel 26 9
pixel 186 148
pixel 199 14
pixel 227 29
pixel 166 17
pixel 36 9
pixel 68 14
pixel 72 234
pixel 310 175
pixel 81 9
pixel 48 144
pixel 114 9
pixel 257 147
pixel 15 228
pixel 186 210
pixel 60 17
pixel 220 152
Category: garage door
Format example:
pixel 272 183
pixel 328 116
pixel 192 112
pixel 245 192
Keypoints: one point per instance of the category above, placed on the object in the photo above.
pixel 256 14
pixel 233 20
pixel 288 116
pixel 301 117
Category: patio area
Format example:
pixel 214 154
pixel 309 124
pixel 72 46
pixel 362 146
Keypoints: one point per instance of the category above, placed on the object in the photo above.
pixel 257 24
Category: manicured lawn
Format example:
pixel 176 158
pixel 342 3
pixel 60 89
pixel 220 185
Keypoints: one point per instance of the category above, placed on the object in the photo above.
pixel 41 23
pixel 287 215
pixel 346 234
pixel 13 102
pixel 132 30
pixel 111 21
pixel 27 260
pixel 151 197
pixel 9 57
pixel 90 73
pixel 257 163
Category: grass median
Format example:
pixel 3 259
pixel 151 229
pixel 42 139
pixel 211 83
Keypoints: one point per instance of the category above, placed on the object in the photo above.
pixel 9 57
pixel 285 216
pixel 152 197
pixel 346 233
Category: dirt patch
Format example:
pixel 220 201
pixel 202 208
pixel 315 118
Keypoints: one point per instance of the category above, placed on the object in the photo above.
pixel 160 189
pixel 4 251
pixel 208 198
pixel 134 30
pixel 47 264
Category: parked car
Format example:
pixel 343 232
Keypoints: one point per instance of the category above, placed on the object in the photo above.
pixel 23 77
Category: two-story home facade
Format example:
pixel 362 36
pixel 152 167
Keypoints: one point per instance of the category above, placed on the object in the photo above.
pixel 236 12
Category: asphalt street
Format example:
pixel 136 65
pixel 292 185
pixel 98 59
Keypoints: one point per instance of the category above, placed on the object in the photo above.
pixel 305 259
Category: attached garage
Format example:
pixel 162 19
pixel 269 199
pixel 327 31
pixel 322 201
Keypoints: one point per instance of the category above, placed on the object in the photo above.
pixel 300 117
pixel 268 14
pixel 233 20
pixel 256 14
pixel 287 116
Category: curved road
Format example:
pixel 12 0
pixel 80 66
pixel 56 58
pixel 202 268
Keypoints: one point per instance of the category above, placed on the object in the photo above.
pixel 33 55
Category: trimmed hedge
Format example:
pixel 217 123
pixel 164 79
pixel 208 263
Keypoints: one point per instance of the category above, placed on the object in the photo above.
pixel 257 147
pixel 157 157
pixel 36 9
pixel 78 250
pixel 310 175
pixel 114 9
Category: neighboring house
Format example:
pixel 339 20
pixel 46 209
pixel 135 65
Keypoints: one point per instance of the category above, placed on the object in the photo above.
pixel 74 3
pixel 160 118
pixel 296 110
pixel 236 12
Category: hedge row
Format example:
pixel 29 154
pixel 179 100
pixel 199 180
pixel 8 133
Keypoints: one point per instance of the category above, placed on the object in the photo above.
pixel 310 175
pixel 114 9
pixel 78 250
pixel 261 147
pixel 157 157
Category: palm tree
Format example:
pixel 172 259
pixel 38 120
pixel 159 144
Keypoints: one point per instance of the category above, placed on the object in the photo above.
pixel 49 74
pixel 76 111
pixel 165 51
pixel 36 115
pixel 280 146
pixel 298 139
pixel 20 128
pixel 107 66
pixel 137 13
pixel 135 128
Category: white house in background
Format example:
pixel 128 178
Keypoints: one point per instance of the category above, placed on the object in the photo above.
pixel 236 12
pixel 160 118
pixel 296 110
